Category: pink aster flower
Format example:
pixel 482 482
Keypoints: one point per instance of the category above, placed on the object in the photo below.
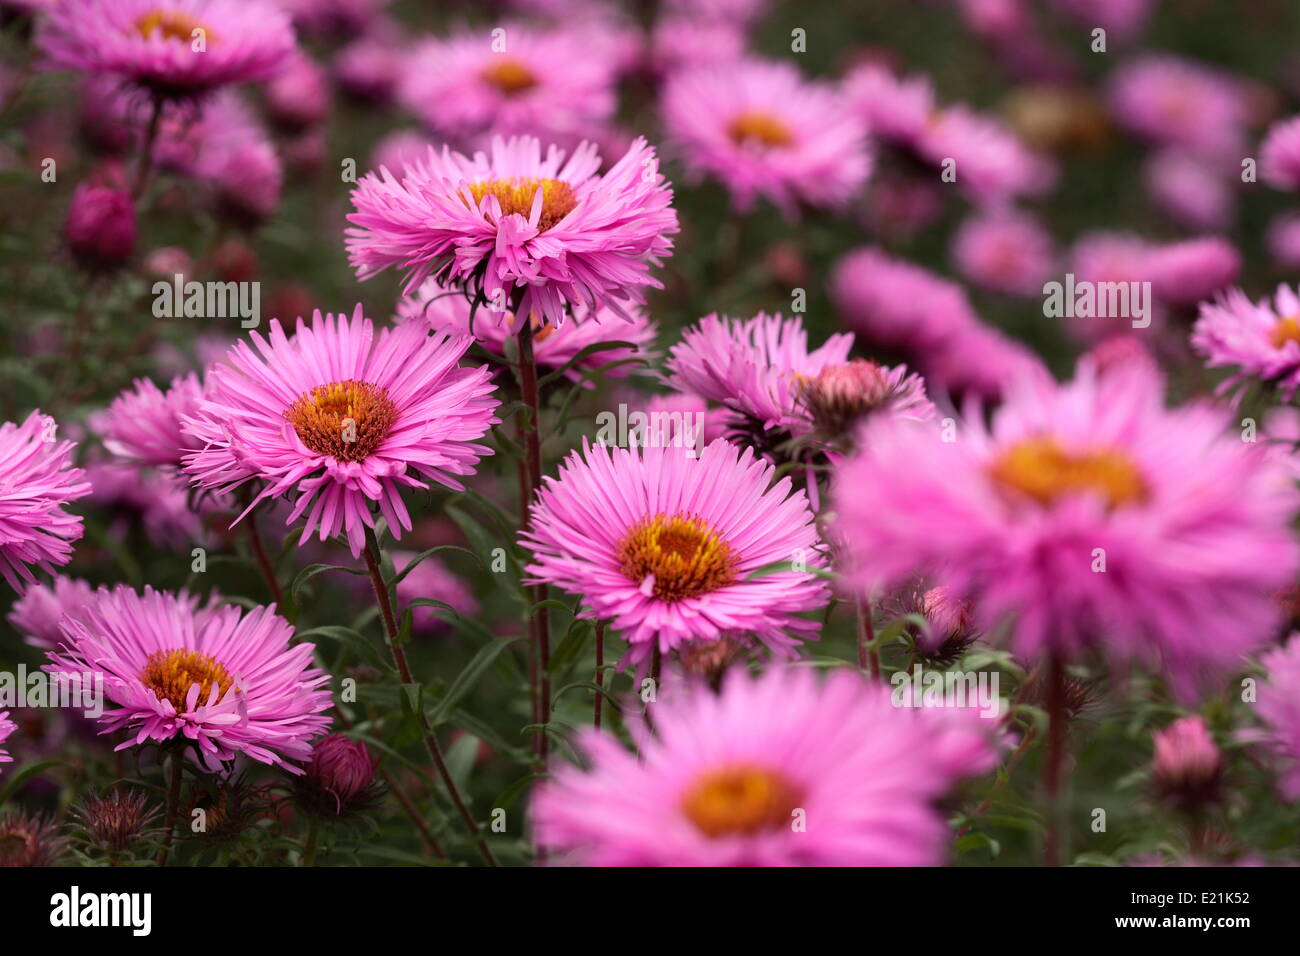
pixel 782 770
pixel 344 418
pixel 145 497
pixel 1279 708
pixel 399 149
pixel 539 235
pixel 1005 251
pixel 172 48
pixel 1193 192
pixel 431 579
pixel 763 130
pixel 1099 257
pixel 756 367
pixel 1283 240
pixel 990 162
pixel 1190 525
pixel 1124 19
pixel 896 109
pixel 1170 101
pixel 979 361
pixel 227 680
pixel 449 312
pixel 144 424
pixel 896 304
pixel 659 541
pixel 7 727
pixel 1186 767
pixel 550 83
pixel 1279 155
pixel 679 43
pixel 36 614
pixel 37 481
pixel 1260 339
pixel 1183 273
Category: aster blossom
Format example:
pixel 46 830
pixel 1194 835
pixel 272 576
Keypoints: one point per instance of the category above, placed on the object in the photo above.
pixel 1085 516
pixel 660 542
pixel 1260 339
pixel 144 424
pixel 755 367
pixel 37 481
pixel 1279 709
pixel 776 771
pixel 343 417
pixel 526 233
pixel 171 48
pixel 763 130
pixel 226 680
pixel 545 81
pixel 36 614
pixel 7 727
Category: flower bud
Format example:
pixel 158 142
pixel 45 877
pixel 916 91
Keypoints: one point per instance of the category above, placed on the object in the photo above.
pixel 340 777
pixel 1187 767
pixel 101 227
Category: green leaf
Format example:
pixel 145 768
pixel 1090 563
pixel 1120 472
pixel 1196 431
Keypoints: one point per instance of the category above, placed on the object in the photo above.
pixel 468 677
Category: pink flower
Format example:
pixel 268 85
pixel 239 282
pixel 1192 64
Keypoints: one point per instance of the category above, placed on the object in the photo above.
pixel 840 397
pixel 431 579
pixel 1123 19
pixel 1005 251
pixel 340 779
pixel 399 149
pixel 660 543
pixel 896 110
pixel 173 48
pixel 299 96
pixel 990 162
pixel 779 771
pixel 979 361
pixel 1279 155
pixel 529 235
pixel 1183 273
pixel 1261 340
pixel 334 19
pixel 7 727
pixel 1190 524
pixel 552 83
pixel 755 367
pixel 1187 767
pixel 143 425
pixel 1099 257
pixel 36 614
pixel 1193 192
pixel 37 481
pixel 1283 240
pixel 1279 709
pixel 1171 101
pixel 679 43
pixel 101 226
pixel 449 312
pixel 895 303
pixel 138 496
pixel 344 418
pixel 763 130
pixel 228 681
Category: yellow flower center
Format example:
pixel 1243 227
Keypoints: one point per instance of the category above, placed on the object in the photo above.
pixel 1286 330
pixel 686 557
pixel 347 420
pixel 1043 470
pixel 172 24
pixel 740 800
pixel 171 674
pixel 510 76
pixel 759 129
pixel 516 195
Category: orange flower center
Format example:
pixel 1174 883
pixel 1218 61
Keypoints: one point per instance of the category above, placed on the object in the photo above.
pixel 171 674
pixel 1286 330
pixel 741 800
pixel 516 195
pixel 347 420
pixel 759 129
pixel 510 76
pixel 685 556
pixel 1043 470
pixel 172 24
